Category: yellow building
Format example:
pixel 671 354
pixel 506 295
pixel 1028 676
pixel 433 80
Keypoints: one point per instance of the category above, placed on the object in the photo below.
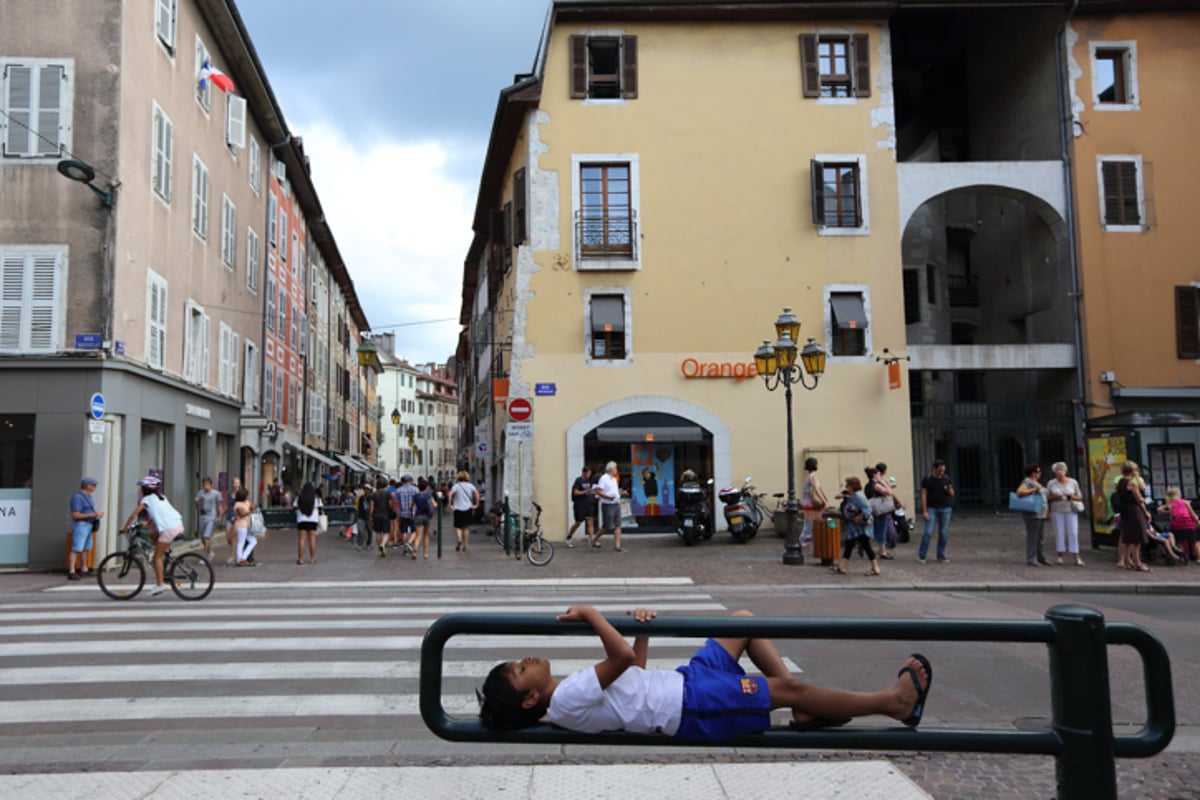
pixel 665 182
pixel 1135 104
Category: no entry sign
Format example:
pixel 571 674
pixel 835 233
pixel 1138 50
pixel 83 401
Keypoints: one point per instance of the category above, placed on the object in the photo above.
pixel 520 409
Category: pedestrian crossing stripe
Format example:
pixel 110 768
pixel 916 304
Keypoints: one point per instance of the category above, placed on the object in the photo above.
pixel 432 583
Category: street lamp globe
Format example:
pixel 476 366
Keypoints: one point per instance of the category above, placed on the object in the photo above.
pixel 788 324
pixel 785 348
pixel 765 360
pixel 395 416
pixel 813 357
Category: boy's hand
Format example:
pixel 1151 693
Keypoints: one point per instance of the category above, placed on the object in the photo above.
pixel 576 614
pixel 643 614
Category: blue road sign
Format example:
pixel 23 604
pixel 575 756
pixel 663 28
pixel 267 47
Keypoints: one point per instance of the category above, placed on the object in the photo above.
pixel 97 406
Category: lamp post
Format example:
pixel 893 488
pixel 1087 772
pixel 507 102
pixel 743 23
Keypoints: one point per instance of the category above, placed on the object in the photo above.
pixel 777 366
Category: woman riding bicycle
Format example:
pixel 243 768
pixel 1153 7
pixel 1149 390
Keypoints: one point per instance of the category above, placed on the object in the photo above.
pixel 165 520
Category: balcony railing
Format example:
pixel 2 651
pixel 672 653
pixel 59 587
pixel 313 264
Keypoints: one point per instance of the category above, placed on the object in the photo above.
pixel 606 238
pixel 964 290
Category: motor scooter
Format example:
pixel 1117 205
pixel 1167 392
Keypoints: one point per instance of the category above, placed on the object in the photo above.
pixel 741 511
pixel 694 512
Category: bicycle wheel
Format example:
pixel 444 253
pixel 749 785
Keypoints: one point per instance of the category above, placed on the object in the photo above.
pixel 121 576
pixel 191 576
pixel 540 551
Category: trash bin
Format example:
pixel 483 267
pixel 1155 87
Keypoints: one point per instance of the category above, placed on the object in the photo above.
pixel 827 539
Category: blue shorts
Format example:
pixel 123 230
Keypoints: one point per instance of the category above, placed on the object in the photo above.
pixel 719 700
pixel 81 535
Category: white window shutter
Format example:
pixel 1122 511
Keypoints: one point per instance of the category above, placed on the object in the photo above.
pixel 12 301
pixel 271 225
pixel 18 104
pixel 44 320
pixel 204 202
pixel 164 22
pixel 189 343
pixel 235 343
pixel 235 121
pixel 204 333
pixel 158 135
pixel 50 116
pixel 156 321
pixel 168 154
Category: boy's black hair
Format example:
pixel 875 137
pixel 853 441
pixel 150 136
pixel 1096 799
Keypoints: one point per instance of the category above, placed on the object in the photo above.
pixel 500 706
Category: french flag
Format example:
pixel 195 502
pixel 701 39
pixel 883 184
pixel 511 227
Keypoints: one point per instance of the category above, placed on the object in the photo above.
pixel 219 79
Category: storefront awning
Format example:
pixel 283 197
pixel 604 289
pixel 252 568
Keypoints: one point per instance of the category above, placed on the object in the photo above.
pixel 848 310
pixel 365 466
pixel 690 433
pixel 1143 419
pixel 349 462
pixel 308 451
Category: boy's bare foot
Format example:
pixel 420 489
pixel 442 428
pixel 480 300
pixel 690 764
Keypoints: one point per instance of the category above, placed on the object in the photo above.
pixel 911 689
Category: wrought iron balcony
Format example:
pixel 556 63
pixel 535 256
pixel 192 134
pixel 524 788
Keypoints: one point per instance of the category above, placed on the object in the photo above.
pixel 606 237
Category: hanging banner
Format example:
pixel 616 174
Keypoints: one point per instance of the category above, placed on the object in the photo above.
pixel 894 375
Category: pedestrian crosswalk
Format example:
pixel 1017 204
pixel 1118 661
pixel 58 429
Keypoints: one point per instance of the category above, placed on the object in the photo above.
pixel 87 683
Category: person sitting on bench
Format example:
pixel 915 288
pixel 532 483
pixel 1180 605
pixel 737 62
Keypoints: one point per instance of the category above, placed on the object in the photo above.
pixel 710 697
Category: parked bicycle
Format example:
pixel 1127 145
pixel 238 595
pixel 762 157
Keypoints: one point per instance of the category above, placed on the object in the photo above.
pixel 122 575
pixel 537 549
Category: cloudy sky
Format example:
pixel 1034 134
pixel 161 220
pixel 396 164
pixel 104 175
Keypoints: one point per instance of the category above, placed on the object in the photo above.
pixel 394 100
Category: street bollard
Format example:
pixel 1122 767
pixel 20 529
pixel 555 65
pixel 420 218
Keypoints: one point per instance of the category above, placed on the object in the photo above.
pixel 441 502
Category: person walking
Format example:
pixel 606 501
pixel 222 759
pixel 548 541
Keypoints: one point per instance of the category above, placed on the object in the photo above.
pixel 382 514
pixel 424 504
pixel 1063 493
pixel 230 528
pixel 207 501
pixel 812 501
pixel 246 541
pixel 883 503
pixel 583 505
pixel 1035 521
pixel 937 500
pixel 308 517
pixel 608 489
pixel 856 514
pixel 364 523
pixel 464 499
pixel 404 494
pixel 85 521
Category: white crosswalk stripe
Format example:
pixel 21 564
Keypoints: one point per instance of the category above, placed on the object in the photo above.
pixel 275 657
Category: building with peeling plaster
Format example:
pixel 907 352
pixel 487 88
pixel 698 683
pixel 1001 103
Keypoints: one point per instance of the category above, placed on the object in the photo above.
pixel 902 175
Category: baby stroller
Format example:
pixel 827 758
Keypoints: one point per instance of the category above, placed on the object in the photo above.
pixel 1159 546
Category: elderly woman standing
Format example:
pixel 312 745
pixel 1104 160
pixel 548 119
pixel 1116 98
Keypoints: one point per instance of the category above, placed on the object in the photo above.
pixel 856 516
pixel 1034 521
pixel 1063 492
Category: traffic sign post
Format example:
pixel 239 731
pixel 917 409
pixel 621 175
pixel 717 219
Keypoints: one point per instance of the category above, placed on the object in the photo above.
pixel 96 406
pixel 520 409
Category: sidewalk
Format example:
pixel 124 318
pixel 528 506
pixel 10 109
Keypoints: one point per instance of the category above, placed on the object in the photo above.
pixel 986 553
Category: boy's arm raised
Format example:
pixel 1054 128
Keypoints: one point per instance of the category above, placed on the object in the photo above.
pixel 620 656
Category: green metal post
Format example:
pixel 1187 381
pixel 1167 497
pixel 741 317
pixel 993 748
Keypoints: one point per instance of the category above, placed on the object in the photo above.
pixel 1086 767
pixel 439 528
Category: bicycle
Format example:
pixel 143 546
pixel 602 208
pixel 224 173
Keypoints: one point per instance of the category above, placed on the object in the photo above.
pixel 122 575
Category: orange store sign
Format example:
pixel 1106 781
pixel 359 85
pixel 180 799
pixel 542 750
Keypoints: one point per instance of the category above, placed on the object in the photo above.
pixel 737 370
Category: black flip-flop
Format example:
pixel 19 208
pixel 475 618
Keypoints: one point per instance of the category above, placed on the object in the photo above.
pixel 914 719
pixel 818 723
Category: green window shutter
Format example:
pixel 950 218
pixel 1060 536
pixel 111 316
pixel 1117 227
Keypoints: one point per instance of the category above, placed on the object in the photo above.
pixel 810 69
pixel 520 223
pixel 1109 173
pixel 629 64
pixel 1187 321
pixel 862 65
pixel 579 67
pixel 1129 193
pixel 18 101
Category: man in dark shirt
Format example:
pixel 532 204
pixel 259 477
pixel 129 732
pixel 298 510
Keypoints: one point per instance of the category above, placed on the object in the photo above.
pixel 583 504
pixel 937 500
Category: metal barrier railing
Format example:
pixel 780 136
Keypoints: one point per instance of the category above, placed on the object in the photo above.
pixel 1081 736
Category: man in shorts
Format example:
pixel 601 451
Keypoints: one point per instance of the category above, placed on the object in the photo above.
pixel 583 503
pixel 609 491
pixel 207 502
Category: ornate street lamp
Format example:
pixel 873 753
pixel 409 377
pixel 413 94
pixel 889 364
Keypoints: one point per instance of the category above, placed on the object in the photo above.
pixel 776 363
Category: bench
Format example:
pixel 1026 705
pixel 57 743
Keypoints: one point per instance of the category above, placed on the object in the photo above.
pixel 1081 736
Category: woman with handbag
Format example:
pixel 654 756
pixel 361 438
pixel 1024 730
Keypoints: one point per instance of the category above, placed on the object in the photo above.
pixel 856 531
pixel 812 500
pixel 308 516
pixel 1035 520
pixel 1066 503
pixel 883 503
pixel 1134 518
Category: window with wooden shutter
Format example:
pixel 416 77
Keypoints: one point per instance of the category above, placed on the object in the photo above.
pixel 255 167
pixel 252 260
pixel 164 22
pixel 270 315
pixel 835 65
pixel 36 105
pixel 836 194
pixel 250 384
pixel 1120 186
pixel 268 390
pixel 519 221
pixel 603 67
pixel 1187 321
pixel 235 121
pixel 160 163
pixel 579 67
pixel 228 232
pixel 199 198
pixel 31 287
pixel 156 320
pixel 607 323
pixel 272 204
pixel 629 64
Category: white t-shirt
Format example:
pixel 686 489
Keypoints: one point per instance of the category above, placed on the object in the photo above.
pixel 313 517
pixel 610 491
pixel 162 514
pixel 462 496
pixel 639 701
